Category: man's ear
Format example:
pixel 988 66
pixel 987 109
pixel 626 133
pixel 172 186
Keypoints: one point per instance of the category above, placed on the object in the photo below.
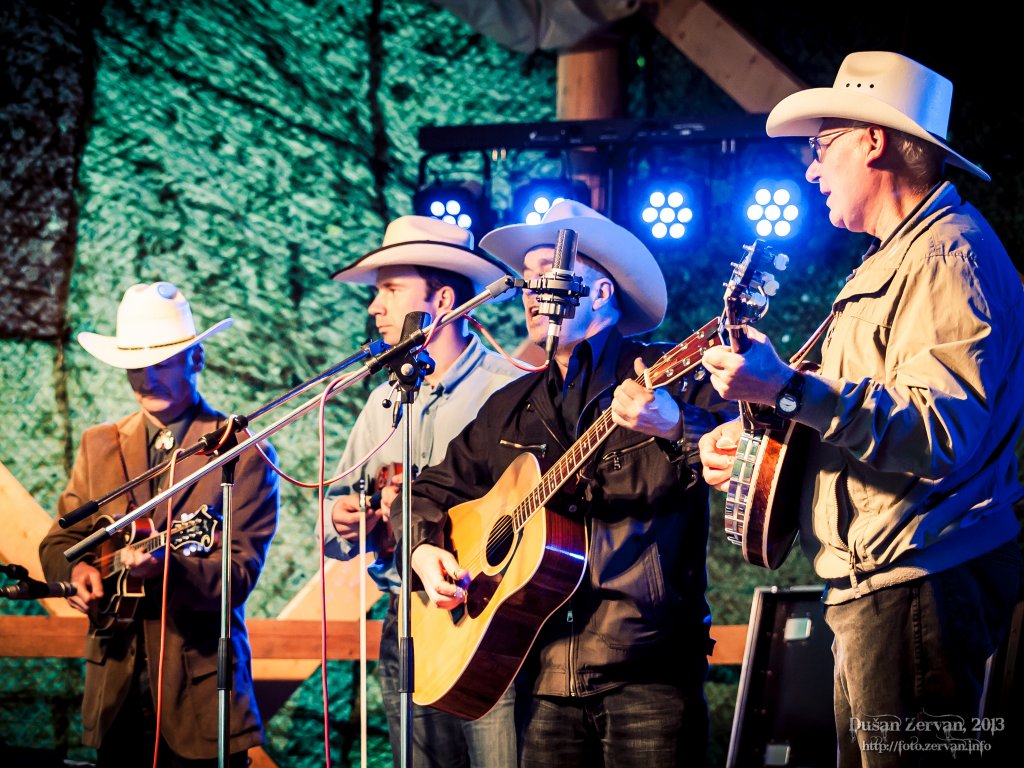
pixel 197 359
pixel 445 297
pixel 878 141
pixel 601 292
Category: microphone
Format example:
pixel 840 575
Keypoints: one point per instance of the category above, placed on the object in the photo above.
pixel 559 290
pixel 30 589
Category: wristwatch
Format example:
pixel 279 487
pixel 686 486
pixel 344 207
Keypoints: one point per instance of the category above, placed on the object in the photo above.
pixel 790 397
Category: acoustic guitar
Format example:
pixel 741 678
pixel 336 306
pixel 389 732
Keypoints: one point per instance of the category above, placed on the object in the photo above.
pixel 524 560
pixel 761 512
pixel 192 534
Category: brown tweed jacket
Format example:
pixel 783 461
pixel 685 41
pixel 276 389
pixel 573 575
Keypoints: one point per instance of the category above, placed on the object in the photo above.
pixel 109 455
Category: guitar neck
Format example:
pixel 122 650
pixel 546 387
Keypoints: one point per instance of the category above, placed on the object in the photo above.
pixel 682 359
pixel 565 467
pixel 146 545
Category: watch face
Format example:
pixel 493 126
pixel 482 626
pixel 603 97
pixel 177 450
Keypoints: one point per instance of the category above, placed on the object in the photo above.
pixel 787 404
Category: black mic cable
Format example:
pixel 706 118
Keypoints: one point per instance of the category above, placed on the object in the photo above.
pixel 30 589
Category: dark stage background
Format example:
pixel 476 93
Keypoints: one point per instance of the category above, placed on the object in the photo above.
pixel 245 150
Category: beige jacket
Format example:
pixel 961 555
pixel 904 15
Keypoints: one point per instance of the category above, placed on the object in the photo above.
pixel 918 403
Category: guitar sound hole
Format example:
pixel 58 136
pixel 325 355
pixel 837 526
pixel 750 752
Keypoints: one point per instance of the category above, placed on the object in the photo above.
pixel 499 543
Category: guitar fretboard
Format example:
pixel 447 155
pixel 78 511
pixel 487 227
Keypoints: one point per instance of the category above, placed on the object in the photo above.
pixel 148 545
pixel 677 362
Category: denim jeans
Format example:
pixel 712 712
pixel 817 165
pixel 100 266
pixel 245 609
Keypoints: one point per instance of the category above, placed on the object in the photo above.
pixel 638 725
pixel 441 740
pixel 910 664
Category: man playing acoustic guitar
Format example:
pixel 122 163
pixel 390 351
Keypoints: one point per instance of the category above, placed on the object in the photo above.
pixel 157 344
pixel 906 509
pixel 616 675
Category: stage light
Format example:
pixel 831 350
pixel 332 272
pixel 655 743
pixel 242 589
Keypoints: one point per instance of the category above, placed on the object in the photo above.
pixel 773 208
pixel 668 211
pixel 458 191
pixel 532 199
pixel 455 203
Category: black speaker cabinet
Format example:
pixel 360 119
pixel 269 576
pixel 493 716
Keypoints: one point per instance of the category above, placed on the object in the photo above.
pixel 784 714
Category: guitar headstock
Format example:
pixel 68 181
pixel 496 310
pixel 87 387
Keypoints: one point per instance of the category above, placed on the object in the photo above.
pixel 749 289
pixel 195 532
pixel 683 357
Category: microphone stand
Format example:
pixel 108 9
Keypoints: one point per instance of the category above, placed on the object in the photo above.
pixel 228 455
pixel 225 652
pixel 208 442
pixel 408 372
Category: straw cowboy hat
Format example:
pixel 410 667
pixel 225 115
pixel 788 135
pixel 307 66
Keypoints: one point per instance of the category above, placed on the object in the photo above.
pixel 154 323
pixel 422 241
pixel 880 88
pixel 640 285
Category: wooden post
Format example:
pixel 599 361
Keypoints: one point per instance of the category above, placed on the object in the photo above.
pixel 590 88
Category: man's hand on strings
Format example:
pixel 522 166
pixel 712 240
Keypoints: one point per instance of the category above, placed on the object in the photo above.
pixel 717 451
pixel 444 581
pixel 143 565
pixel 88 586
pixel 650 411
pixel 756 376
pixel 388 494
pixel 345 515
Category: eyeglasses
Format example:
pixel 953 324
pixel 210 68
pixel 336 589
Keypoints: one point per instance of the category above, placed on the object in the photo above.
pixel 818 146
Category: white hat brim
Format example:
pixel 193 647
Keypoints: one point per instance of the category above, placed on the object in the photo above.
pixel 801 113
pixel 640 284
pixel 479 268
pixel 106 348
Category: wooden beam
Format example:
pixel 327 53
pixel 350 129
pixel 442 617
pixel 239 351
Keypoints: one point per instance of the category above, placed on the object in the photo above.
pixel 272 639
pixel 24 523
pixel 734 60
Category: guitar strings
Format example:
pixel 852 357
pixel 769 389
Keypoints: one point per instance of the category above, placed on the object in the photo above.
pixel 541 493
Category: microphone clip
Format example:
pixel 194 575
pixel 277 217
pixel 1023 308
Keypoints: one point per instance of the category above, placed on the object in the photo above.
pixel 558 293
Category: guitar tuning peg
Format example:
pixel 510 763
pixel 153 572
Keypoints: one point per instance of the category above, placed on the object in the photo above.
pixel 757 300
pixel 769 284
pixel 781 262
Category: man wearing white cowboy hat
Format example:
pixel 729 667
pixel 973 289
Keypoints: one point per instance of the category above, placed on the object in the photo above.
pixel 907 509
pixel 423 265
pixel 157 344
pixel 617 672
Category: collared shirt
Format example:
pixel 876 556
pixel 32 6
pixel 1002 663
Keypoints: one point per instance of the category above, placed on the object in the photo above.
pixel 158 454
pixel 438 414
pixel 570 395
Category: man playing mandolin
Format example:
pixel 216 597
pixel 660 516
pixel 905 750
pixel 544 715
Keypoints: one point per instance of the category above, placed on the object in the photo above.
pixel 121 589
pixel 906 509
pixel 619 665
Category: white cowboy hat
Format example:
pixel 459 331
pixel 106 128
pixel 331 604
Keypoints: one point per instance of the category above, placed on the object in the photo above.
pixel 422 241
pixel 639 283
pixel 880 88
pixel 154 323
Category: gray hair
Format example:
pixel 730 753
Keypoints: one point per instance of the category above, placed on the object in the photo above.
pixel 922 161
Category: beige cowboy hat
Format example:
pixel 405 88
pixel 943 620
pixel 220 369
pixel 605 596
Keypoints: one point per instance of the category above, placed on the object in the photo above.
pixel 154 323
pixel 422 241
pixel 880 88
pixel 639 283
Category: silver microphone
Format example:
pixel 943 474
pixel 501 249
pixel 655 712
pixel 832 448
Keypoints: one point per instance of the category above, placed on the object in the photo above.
pixel 555 298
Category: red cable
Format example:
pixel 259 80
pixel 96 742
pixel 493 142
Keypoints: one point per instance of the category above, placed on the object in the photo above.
pixel 163 612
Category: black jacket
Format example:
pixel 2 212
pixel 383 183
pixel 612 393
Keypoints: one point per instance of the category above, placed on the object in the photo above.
pixel 640 612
